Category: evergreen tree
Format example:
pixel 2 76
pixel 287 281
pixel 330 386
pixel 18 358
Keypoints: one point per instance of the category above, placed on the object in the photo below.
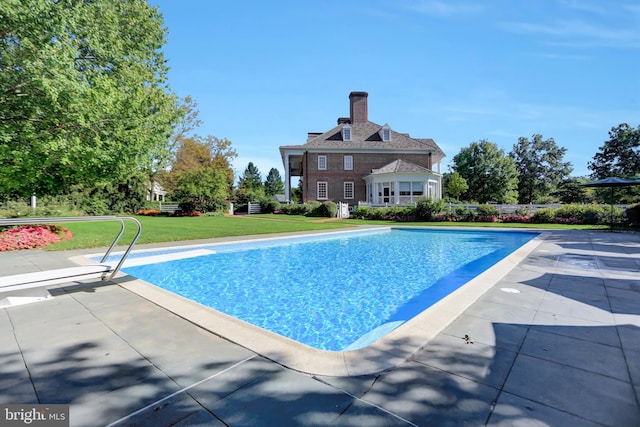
pixel 274 184
pixel 250 186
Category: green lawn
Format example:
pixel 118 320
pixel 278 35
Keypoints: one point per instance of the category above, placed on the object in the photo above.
pixel 173 229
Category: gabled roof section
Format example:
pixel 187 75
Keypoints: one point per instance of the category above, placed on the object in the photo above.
pixel 367 136
pixel 432 144
pixel 401 166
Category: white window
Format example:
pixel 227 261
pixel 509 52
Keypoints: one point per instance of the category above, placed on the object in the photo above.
pixel 348 163
pixel 322 163
pixel 386 133
pixel 323 190
pixel 348 190
pixel 346 133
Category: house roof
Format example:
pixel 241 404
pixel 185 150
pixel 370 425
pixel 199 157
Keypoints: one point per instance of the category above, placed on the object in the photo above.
pixel 400 166
pixel 366 136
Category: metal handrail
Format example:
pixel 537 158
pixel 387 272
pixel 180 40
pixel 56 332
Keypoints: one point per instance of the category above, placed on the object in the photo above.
pixel 108 275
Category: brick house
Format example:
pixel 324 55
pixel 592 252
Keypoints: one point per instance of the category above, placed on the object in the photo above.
pixel 361 161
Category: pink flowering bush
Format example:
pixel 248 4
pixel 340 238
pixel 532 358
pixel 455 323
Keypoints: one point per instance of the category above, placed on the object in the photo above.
pixel 524 219
pixel 32 237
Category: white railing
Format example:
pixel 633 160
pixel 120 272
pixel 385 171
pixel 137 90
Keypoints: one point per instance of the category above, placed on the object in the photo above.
pixel 254 208
pixel 22 281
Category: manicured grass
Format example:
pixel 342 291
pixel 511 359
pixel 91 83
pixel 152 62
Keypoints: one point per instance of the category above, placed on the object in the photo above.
pixel 173 229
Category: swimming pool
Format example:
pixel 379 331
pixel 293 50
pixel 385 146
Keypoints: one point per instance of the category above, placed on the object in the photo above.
pixel 337 291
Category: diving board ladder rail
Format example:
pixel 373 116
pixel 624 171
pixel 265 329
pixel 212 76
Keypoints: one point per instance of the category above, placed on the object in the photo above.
pixel 107 275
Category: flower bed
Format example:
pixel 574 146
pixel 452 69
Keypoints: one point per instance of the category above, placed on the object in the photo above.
pixel 32 237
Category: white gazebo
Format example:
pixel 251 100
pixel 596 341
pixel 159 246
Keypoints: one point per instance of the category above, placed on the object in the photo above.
pixel 402 183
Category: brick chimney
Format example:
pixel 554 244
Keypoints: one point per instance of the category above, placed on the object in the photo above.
pixel 358 107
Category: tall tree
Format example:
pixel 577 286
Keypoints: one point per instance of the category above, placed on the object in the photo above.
pixel 196 153
pixel 540 167
pixel 84 97
pixel 202 184
pixel 490 174
pixel 273 184
pixel 222 155
pixel 620 155
pixel 250 186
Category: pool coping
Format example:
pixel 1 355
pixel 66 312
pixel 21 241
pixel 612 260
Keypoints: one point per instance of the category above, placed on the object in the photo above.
pixel 387 352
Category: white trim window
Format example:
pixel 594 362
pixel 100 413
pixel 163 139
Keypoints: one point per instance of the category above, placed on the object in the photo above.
pixel 346 132
pixel 323 190
pixel 348 163
pixel 386 133
pixel 349 189
pixel 322 163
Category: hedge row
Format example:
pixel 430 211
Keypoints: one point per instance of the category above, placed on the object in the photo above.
pixel 435 211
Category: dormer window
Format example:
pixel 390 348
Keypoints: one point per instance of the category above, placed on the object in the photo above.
pixel 346 133
pixel 386 133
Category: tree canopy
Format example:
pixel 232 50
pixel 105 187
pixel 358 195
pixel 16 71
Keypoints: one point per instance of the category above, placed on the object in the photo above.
pixel 250 186
pixel 540 167
pixel 490 174
pixel 273 184
pixel 83 93
pixel 620 155
pixel 197 155
pixel 456 184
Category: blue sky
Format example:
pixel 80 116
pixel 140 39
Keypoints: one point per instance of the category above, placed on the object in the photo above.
pixel 264 73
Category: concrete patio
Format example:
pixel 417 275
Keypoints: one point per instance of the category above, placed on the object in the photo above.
pixel 556 342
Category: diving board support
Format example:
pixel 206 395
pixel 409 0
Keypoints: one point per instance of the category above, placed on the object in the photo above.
pixel 51 277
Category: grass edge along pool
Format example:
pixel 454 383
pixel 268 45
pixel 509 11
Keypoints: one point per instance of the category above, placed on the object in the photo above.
pixel 337 291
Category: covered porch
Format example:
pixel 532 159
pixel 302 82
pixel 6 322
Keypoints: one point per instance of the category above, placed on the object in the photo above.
pixel 402 183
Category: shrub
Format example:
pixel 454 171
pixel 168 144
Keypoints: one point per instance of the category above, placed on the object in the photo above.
pixel 522 211
pixel 544 216
pixel 270 206
pixel 298 208
pixel 464 214
pixel 32 237
pixel 427 209
pixel 149 212
pixel 487 210
pixel 401 213
pixel 587 214
pixel 361 212
pixel 633 214
pixel 326 209
pixel 201 204
pixel 516 219
pixel 486 218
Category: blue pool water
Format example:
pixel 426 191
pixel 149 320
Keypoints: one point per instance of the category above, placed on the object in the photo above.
pixel 334 292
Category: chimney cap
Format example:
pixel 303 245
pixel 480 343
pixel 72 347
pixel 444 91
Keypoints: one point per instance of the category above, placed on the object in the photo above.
pixel 365 94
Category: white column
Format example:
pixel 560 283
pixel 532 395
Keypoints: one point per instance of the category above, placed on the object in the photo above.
pixel 287 179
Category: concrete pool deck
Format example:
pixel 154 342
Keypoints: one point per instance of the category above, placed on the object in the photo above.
pixel 556 341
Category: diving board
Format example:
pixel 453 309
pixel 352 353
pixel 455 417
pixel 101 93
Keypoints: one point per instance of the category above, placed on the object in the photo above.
pixel 102 271
pixel 52 277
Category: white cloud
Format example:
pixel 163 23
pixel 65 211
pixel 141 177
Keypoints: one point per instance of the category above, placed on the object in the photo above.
pixel 578 33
